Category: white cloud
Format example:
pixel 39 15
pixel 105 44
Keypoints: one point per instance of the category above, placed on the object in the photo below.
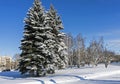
pixel 109 33
pixel 114 45
pixel 112 39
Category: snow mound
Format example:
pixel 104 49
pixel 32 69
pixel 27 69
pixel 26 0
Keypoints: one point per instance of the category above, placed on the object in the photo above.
pixel 102 74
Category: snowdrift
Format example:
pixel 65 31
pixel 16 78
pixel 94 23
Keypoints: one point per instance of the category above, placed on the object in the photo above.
pixel 69 76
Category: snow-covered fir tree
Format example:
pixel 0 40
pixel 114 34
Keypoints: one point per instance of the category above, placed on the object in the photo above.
pixel 59 48
pixel 35 54
pixel 42 46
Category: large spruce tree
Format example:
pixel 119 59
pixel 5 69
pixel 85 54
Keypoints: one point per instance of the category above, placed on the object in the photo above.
pixel 42 44
pixel 59 49
pixel 35 54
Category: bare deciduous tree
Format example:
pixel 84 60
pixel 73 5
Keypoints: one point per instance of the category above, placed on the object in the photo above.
pixel 108 56
pixel 80 46
pixel 69 43
pixel 95 51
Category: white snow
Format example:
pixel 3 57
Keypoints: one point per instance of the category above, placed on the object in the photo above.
pixel 83 75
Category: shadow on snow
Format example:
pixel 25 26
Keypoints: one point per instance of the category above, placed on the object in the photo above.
pixel 13 75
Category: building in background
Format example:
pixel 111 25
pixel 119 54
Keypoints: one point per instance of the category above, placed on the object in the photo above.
pixel 5 62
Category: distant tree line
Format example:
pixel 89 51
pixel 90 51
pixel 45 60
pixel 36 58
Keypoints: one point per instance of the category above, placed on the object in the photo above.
pixel 79 54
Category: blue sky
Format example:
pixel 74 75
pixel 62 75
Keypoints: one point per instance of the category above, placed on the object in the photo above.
pixel 91 18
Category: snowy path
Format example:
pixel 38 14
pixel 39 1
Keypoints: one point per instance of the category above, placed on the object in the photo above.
pixel 97 75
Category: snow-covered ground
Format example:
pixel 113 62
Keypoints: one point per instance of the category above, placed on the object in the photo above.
pixel 85 75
